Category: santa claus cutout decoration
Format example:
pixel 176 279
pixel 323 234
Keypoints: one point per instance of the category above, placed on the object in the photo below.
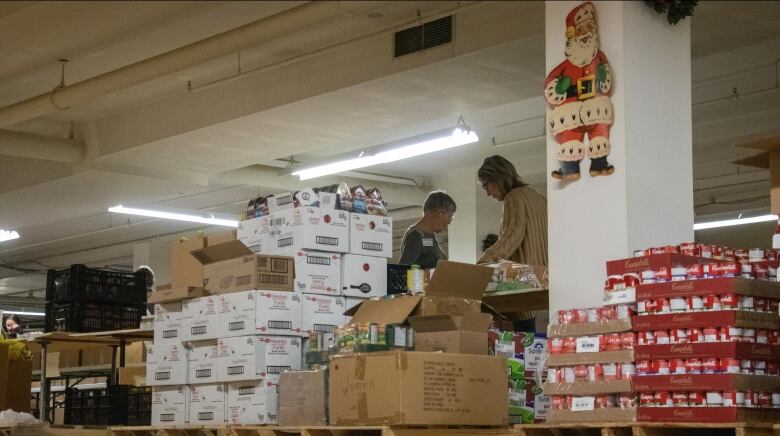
pixel 578 95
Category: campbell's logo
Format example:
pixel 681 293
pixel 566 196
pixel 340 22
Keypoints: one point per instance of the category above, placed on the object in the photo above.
pixel 682 286
pixel 682 349
pixel 634 264
pixel 682 318
pixel 681 381
pixel 682 413
pixel 760 351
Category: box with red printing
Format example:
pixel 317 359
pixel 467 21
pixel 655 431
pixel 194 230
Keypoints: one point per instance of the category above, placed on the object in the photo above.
pixel 639 264
pixel 717 318
pixel 738 350
pixel 706 382
pixel 589 388
pixel 706 414
pixel 718 286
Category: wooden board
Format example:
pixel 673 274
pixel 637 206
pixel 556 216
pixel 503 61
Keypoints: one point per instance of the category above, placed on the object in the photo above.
pixel 647 429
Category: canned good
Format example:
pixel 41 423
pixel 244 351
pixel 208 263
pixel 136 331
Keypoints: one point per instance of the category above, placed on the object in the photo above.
pixel 399 339
pixel 648 277
pixel 764 399
pixel 643 306
pixel 774 305
pixel 680 399
pixel 740 398
pixel 647 399
pixel 712 302
pixel 776 400
pixel 552 375
pixel 558 402
pixel 570 344
pixel 741 254
pixel 756 255
pixel 565 316
pixel 730 365
pixel 729 399
pixel 581 373
pixel 345 338
pixel 746 302
pixel 694 303
pixel 624 312
pixel 729 301
pixel 661 336
pixel 746 366
pixel 663 274
pixel 612 341
pixel 410 338
pixel 568 375
pixel 639 253
pixel 693 366
pixel 362 333
pixel 760 272
pixel 604 401
pixel 710 365
pixel 614 283
pixel 595 372
pixel 706 251
pixel 677 366
pixel 690 249
pixel 373 334
pixel 710 334
pixel 717 252
pixel 762 336
pixel 660 367
pixel 645 338
pixel 759 367
pixel 594 314
pixel 749 334
pixel 663 399
pixel 579 315
pixel 627 340
pixel 696 399
pixel 695 272
pixel 773 368
pixel 728 269
pixel 644 367
pixel 678 336
pixel 761 304
pixel 627 370
pixel 774 337
pixel 556 344
pixel 608 313
pixel 611 371
pixel 679 273
pixel 751 399
pixel 631 280
pixel 678 304
pixel 732 334
pixel 626 400
pixel 714 398
pixel 694 335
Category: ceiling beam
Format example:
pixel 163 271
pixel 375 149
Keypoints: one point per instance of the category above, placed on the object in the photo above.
pixel 34 146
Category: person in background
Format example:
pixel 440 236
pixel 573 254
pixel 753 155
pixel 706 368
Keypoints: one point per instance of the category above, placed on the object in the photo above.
pixel 149 285
pixel 523 235
pixel 419 245
pixel 13 326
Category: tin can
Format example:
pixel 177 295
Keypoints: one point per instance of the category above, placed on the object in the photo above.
pixel 677 366
pixel 774 305
pixel 731 334
pixel 345 338
pixel 762 336
pixel 399 340
pixel 729 399
pixel 608 313
pixel 661 337
pixel 595 373
pixel 661 367
pixel 645 338
pixel 746 302
pixel 706 251
pixel 382 335
pixel 776 400
pixel 710 365
pixel 774 337
pixel 761 304
pixel 663 399
pixel 694 303
pixel 579 315
pixel 747 271
pixel 601 401
pixel 627 340
pixel 717 252
pixel 746 366
pixel 614 283
pixel 710 334
pixel 730 365
pixel 679 273
pixel 552 376
pixel 568 375
pixel 556 344
pixel 678 304
pixel 760 272
pixel 680 399
pixel 570 344
pixel 373 334
pixel 741 254
pixel 729 254
pixel 612 341
pixel 712 302
pixel 773 368
pixel 678 336
pixel 611 371
pixel 565 316
pixel 756 255
pixel 558 402
pixel 749 334
pixel 729 269
pixel 594 314
pixel 708 274
pixel 690 249
pixel 648 277
pixel 644 367
pixel 729 302
pixel 314 342
pixel 751 399
pixel 740 398
pixel 759 367
pixel 697 399
pixel 662 305
pixel 663 274
pixel 771 255
pixel 694 335
pixel 693 366
pixel 624 312
pixel 695 272
pixel 626 399
pixel 631 280
pixel 714 398
pixel 647 399
pixel 643 306
pixel 765 400
pixel 627 370
pixel 581 373
pixel 639 253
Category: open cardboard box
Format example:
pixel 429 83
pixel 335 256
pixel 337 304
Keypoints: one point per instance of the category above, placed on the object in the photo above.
pixel 167 293
pixel 462 334
pixel 232 267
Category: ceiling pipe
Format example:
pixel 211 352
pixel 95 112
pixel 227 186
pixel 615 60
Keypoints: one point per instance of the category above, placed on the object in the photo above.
pixel 34 146
pixel 307 15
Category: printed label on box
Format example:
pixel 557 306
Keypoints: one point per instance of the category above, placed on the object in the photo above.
pixel 581 404
pixel 588 344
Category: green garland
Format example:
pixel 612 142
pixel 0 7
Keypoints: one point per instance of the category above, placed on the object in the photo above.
pixel 675 10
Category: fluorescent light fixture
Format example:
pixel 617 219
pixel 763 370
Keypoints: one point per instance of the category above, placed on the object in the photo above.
pixel 456 138
pixel 734 222
pixel 15 312
pixel 195 217
pixel 8 235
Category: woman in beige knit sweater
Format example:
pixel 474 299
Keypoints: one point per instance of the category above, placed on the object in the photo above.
pixel 523 235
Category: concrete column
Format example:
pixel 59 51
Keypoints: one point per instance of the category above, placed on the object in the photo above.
pixel 155 254
pixel 648 201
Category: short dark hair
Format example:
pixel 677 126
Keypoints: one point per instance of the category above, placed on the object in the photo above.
pixel 14 317
pixel 498 170
pixel 439 200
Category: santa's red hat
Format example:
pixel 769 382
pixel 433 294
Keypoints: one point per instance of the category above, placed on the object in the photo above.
pixel 579 15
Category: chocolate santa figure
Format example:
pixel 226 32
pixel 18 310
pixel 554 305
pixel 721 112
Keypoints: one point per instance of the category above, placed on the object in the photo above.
pixel 578 94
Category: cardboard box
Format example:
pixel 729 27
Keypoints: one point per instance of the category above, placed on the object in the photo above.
pixel 349 303
pixel 132 375
pixel 588 388
pixel 279 313
pixel 455 288
pixel 15 383
pixel 166 365
pixel 280 201
pixel 135 353
pixel 169 405
pixel 363 276
pixel 237 314
pixel 254 402
pixel 589 328
pixel 254 357
pixel 639 264
pixel 303 399
pixel 370 235
pixel 723 285
pixel 317 272
pixel 90 356
pixel 200 318
pixel 572 359
pixel 202 361
pixel 168 319
pixel 463 334
pixel 739 350
pixel 308 228
pixel 718 318
pixel 611 414
pixel 231 267
pixel 706 382
pixel 417 388
pixel 186 271
pixel 254 233
pixel 707 414
pixel 322 313
pixel 168 294
pixel 206 404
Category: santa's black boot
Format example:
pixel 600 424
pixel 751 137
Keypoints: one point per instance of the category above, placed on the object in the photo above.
pixel 569 171
pixel 600 167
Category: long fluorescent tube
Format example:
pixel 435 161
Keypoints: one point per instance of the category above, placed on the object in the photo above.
pixel 457 138
pixel 14 312
pixel 734 222
pixel 8 235
pixel 206 218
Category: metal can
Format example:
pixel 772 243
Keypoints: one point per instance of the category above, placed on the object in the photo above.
pixel 556 344
pixel 751 399
pixel 730 365
pixel 717 252
pixel 732 334
pixel 677 366
pixel 570 344
pixel 581 373
pixel 756 255
pixel 740 398
pixel 746 302
pixel 774 305
pixel 626 399
pixel 579 315
pixel 714 398
pixel 679 273
pixel 773 368
pixel 776 400
pixel 710 365
pixel 568 375
pixel 565 316
pixel 729 301
pixel 595 372
pixel 663 399
pixel 694 335
pixel 611 371
pixel 694 303
pixel 373 334
pixel 695 272
pixel 746 366
pixel 631 280
pixel 627 340
pixel 762 336
pixel 614 283
pixel 712 302
pixel 558 402
pixel 678 336
pixel 612 341
pixel 648 277
pixel 710 334
pixel 697 399
pixel 661 337
pixel 399 339
pixel 624 312
pixel 693 366
pixel 552 375
pixel 663 274
pixel 346 338
pixel 759 367
pixel 690 249
pixel 774 337
pixel 608 313
pixel 644 367
pixel 594 314
pixel 645 338
pixel 706 251
pixel 678 304
pixel 627 370
pixel 661 367
pixel 729 269
pixel 729 399
pixel 760 272
pixel 680 399
pixel 410 338
pixel 761 304
pixel 765 399
pixel 646 399
pixel 639 253
pixel 741 254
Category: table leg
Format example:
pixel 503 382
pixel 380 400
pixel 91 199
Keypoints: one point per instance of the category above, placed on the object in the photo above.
pixel 114 373
pixel 122 345
pixel 43 397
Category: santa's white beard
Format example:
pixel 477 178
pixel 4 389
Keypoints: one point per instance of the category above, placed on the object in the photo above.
pixel 582 54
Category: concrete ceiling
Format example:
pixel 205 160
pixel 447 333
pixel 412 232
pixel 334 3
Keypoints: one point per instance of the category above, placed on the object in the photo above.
pixel 313 94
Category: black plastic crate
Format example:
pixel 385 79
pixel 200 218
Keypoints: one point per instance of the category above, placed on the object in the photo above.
pixel 115 405
pixel 87 407
pixel 396 279
pixel 87 284
pixel 87 316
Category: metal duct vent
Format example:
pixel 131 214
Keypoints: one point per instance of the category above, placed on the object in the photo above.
pixel 430 34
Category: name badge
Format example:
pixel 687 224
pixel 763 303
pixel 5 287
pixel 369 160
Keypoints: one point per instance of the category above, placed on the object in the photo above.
pixel 427 242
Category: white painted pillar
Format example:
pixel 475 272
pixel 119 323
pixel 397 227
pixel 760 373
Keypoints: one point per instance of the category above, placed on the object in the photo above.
pixel 648 201
pixel 155 254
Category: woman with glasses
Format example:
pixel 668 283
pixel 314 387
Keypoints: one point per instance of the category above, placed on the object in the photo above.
pixel 419 245
pixel 523 235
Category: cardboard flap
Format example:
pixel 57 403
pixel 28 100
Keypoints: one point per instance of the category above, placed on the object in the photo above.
pixel 386 311
pixel 167 294
pixel 220 252
pixel 472 322
pixel 461 280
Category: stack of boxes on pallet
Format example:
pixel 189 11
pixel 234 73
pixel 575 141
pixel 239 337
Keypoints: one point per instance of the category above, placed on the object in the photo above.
pixel 591 362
